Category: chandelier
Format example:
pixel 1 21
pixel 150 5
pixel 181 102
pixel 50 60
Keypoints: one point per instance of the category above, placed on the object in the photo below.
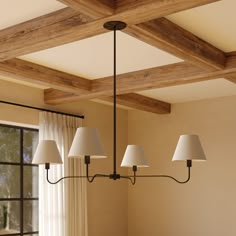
pixel 87 144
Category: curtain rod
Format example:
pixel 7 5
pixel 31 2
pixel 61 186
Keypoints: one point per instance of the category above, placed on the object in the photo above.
pixel 41 109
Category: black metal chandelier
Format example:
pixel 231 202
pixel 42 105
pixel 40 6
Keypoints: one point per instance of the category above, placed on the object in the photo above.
pixel 86 144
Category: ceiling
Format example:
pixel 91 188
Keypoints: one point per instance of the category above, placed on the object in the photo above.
pixel 189 55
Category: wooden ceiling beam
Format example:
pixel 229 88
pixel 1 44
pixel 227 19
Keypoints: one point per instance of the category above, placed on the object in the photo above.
pixel 158 77
pixel 80 88
pixel 231 78
pixel 141 9
pixel 29 72
pixel 141 102
pixel 93 8
pixel 66 26
pixel 164 76
pixel 171 38
pixel 131 100
pixel 231 61
pixel 43 32
pixel 165 7
pixel 66 83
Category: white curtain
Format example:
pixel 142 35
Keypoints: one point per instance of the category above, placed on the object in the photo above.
pixel 63 206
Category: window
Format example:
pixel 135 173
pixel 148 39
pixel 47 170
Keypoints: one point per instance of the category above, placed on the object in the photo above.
pixel 18 181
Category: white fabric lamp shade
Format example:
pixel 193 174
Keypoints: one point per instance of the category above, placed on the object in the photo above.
pixel 47 152
pixel 189 148
pixel 134 156
pixel 87 142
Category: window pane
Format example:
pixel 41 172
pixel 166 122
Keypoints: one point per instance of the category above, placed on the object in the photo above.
pixel 30 181
pixel 30 216
pixel 9 144
pixel 9 217
pixel 30 145
pixel 9 181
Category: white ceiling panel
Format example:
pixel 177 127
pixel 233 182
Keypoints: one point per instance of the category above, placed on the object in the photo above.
pixel 193 92
pixel 93 57
pixel 13 12
pixel 215 23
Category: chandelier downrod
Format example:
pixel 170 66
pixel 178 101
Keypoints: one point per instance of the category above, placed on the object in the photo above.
pixel 114 26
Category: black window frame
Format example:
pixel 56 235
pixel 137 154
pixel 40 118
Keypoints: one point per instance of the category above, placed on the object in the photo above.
pixel 21 164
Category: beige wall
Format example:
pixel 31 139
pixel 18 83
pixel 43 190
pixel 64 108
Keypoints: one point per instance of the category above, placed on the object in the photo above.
pixel 107 200
pixel 206 205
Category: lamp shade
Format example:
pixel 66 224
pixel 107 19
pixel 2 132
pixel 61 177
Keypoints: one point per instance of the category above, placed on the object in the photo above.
pixel 134 156
pixel 47 152
pixel 87 142
pixel 189 148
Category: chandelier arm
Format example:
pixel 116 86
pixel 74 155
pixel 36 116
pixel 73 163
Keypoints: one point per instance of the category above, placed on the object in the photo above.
pixel 66 177
pixel 89 178
pixel 87 162
pixel 166 176
pixel 76 177
pixel 132 180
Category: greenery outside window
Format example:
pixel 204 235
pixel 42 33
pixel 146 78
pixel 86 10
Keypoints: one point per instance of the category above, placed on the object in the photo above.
pixel 18 181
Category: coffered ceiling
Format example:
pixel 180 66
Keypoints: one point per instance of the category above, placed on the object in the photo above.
pixel 172 51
